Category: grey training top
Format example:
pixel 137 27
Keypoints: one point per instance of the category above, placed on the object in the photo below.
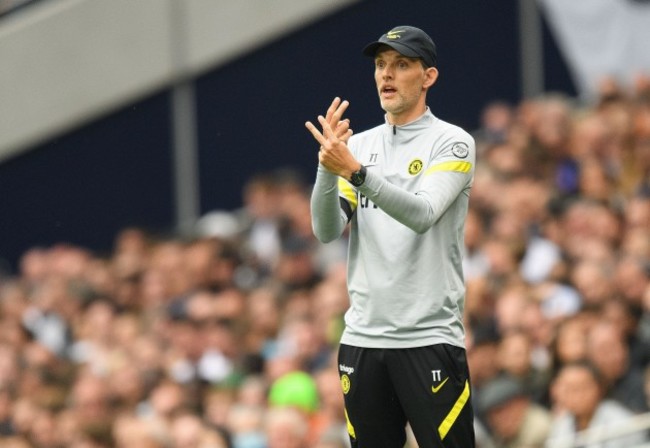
pixel 405 276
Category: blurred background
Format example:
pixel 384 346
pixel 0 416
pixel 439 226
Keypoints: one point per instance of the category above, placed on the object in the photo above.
pixel 154 215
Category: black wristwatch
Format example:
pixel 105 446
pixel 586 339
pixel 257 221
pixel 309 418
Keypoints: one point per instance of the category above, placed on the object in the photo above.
pixel 358 177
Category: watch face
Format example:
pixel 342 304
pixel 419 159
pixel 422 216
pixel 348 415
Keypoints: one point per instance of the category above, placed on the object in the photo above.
pixel 357 178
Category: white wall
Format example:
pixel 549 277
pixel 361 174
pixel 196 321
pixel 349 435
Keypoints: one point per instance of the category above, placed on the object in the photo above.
pixel 601 39
pixel 66 62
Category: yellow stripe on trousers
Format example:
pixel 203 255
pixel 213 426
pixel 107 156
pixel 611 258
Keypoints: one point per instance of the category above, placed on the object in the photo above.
pixel 450 419
pixel 350 427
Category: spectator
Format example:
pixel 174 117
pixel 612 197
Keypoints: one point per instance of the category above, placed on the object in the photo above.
pixel 475 263
pixel 627 319
pixel 513 419
pixel 515 356
pixel 131 432
pixel 594 282
pixel 287 427
pixel 570 342
pixel 496 120
pixel 259 217
pixel 188 431
pixel 608 350
pixel 246 424
pixel 483 343
pixel 298 390
pixel 578 392
pixel 510 305
pixel 632 277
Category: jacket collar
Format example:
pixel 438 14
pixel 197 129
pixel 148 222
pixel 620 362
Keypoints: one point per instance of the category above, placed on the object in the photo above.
pixel 423 121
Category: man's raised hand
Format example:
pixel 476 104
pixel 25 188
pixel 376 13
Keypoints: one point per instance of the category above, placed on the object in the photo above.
pixel 334 153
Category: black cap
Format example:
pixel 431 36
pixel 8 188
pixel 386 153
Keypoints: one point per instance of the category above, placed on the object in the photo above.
pixel 408 41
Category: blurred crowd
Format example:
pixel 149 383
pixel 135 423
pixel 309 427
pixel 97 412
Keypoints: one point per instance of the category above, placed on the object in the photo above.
pixel 228 337
pixel 558 270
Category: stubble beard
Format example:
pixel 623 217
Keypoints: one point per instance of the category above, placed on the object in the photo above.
pixel 401 103
pixel 393 106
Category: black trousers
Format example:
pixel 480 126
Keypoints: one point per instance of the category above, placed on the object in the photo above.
pixel 428 387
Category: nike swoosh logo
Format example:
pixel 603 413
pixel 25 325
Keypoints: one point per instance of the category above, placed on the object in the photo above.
pixel 435 389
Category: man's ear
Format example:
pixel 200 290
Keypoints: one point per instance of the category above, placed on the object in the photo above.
pixel 430 77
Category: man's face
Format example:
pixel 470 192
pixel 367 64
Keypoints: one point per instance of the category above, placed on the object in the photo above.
pixel 401 84
pixel 579 390
pixel 505 419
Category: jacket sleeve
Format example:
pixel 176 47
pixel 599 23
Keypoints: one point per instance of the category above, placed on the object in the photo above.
pixel 445 178
pixel 328 216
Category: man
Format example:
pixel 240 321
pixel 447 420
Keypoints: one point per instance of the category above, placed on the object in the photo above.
pixel 609 352
pixel 404 188
pixel 514 420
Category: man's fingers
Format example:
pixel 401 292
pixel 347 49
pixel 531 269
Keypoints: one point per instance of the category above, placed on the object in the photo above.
pixel 315 132
pixel 334 129
pixel 342 128
pixel 338 114
pixel 341 109
pixel 327 129
pixel 335 111
pixel 330 110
